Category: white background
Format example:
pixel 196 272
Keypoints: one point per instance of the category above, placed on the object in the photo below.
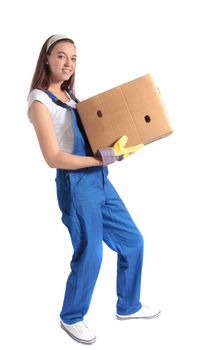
pixel 164 185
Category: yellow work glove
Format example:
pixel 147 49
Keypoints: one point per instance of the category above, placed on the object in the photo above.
pixel 118 151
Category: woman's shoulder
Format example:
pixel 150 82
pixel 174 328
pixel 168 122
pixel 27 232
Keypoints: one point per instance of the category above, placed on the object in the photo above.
pixel 41 96
pixel 37 93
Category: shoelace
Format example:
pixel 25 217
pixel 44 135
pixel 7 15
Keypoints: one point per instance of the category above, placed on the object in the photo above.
pixel 80 326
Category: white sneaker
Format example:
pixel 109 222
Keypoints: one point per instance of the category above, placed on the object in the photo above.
pixel 145 312
pixel 79 332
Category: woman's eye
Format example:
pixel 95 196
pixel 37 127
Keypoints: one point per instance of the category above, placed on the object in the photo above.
pixel 61 56
pixel 74 59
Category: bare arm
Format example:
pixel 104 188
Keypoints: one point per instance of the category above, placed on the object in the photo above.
pixel 42 122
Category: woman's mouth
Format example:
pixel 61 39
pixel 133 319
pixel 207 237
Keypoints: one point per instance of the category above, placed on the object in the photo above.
pixel 67 71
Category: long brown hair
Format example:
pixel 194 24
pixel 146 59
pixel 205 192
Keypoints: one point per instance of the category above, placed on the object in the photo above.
pixel 41 77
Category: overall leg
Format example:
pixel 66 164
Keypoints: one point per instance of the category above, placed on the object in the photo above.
pixel 83 219
pixel 122 235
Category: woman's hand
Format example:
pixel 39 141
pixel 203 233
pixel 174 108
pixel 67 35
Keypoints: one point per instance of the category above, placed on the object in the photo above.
pixel 118 151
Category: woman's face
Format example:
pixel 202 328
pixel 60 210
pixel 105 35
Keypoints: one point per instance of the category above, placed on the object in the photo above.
pixel 62 61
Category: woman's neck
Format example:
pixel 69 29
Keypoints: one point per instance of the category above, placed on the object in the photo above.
pixel 58 92
pixel 55 87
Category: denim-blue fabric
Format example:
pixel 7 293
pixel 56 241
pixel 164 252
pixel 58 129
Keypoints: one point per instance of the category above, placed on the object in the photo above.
pixel 93 212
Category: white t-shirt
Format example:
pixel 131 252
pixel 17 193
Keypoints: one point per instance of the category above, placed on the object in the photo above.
pixel 61 118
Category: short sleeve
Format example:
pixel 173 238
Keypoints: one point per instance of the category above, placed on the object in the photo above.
pixel 41 96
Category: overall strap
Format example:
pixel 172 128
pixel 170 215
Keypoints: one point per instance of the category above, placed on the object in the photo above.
pixel 56 100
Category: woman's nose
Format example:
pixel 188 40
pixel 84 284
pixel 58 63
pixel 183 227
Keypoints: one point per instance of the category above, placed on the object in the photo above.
pixel 66 62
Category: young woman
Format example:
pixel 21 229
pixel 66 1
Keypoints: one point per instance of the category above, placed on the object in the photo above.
pixel 91 208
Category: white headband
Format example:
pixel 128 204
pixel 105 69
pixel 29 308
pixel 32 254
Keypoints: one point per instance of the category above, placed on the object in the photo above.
pixel 55 38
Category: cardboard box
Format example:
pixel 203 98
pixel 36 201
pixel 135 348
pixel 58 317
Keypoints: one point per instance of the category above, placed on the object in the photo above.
pixel 134 109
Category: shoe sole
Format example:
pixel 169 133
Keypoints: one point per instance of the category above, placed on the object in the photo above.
pixel 77 339
pixel 137 318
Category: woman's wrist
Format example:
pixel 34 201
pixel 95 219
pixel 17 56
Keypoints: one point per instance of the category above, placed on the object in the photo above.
pixel 98 161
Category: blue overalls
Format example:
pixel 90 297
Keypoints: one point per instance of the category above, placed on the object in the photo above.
pixel 93 212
